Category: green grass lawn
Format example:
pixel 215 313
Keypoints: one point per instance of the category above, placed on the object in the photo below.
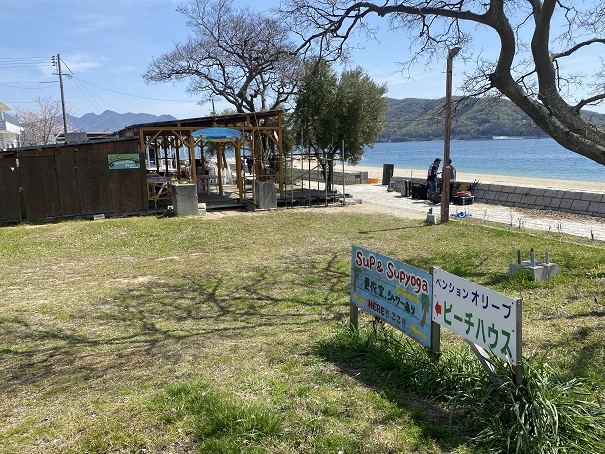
pixel 224 333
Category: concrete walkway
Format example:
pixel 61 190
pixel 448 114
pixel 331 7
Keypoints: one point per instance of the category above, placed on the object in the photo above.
pixel 552 221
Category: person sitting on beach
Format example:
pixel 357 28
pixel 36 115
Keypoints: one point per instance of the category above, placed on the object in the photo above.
pixel 431 179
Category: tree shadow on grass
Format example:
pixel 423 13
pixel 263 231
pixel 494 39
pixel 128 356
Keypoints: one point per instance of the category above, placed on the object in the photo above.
pixel 396 380
pixel 137 327
pixel 580 348
pixel 408 227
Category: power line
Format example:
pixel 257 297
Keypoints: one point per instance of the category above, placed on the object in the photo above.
pixel 89 95
pixel 50 85
pixel 24 58
pixel 25 62
pixel 28 82
pixel 82 85
pixel 127 94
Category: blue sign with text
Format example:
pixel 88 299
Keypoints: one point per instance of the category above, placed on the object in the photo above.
pixel 393 291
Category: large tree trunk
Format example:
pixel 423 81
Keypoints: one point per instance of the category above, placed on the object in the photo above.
pixel 549 111
pixel 438 27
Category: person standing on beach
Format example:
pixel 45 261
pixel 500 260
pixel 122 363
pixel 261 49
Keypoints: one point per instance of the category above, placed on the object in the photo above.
pixel 452 178
pixel 431 178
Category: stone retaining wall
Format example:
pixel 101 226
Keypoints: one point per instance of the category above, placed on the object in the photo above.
pixel 578 202
pixel 568 201
pixel 350 177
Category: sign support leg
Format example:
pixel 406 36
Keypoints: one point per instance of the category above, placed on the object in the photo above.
pixel 353 316
pixel 435 350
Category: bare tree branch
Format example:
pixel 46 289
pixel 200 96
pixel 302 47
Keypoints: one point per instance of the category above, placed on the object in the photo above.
pixel 528 71
pixel 41 126
pixel 241 56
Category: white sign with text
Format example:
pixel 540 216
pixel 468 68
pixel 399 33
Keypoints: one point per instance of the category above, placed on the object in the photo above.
pixel 480 315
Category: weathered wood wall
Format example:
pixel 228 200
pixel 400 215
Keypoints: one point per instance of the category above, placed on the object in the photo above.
pixel 70 180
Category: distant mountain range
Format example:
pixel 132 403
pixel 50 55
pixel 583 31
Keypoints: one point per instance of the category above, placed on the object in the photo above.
pixel 112 121
pixel 414 119
pixel 407 119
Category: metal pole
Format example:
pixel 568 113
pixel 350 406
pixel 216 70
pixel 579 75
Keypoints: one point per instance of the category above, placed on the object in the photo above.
pixel 343 171
pixel 325 177
pixel 445 174
pixel 326 184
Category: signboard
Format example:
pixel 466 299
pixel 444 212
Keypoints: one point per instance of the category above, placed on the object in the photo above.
pixel 124 161
pixel 480 315
pixel 393 291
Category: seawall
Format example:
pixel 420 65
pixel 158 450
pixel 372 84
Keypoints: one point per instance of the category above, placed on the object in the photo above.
pixel 564 200
pixel 350 177
pixel 578 202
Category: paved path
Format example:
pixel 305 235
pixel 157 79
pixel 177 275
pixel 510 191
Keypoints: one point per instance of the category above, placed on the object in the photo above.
pixel 586 227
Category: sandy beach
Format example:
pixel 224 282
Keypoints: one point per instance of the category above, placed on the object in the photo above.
pixel 376 172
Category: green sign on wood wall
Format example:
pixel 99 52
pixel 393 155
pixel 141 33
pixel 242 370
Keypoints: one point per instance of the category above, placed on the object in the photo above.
pixel 124 161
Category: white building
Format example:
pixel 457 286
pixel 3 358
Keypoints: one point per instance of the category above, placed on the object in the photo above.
pixel 10 129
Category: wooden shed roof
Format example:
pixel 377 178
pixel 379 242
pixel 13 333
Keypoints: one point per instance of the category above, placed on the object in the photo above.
pixel 202 122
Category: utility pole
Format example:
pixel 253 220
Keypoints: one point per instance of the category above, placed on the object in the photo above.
pixel 445 174
pixel 62 94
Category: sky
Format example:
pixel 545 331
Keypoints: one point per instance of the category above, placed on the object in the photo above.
pixel 106 47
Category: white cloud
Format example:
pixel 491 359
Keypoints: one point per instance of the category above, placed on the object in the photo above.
pixel 82 62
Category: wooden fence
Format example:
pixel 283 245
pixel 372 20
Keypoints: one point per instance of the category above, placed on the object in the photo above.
pixel 71 180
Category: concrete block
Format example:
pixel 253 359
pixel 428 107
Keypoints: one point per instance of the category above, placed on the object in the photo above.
pixel 397 183
pixel 580 206
pixel 490 195
pixel 566 204
pixel 75 137
pixel 555 203
pixel 496 187
pixel 501 196
pixel 597 208
pixel 514 198
pixel 545 202
pixel 539 272
pixel 265 195
pixel 592 197
pixel 530 200
pixel 184 199
pixel 538 192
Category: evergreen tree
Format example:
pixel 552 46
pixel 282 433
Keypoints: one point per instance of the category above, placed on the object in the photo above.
pixel 332 111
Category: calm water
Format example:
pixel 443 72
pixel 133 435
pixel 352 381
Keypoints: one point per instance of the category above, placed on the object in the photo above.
pixel 534 158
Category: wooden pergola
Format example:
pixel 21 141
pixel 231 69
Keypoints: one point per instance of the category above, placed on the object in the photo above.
pixel 173 142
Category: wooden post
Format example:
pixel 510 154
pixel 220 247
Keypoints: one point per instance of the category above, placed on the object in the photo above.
pixel 353 316
pixel 445 174
pixel 239 169
pixel 191 147
pixel 219 164
pixel 435 349
pixel 280 150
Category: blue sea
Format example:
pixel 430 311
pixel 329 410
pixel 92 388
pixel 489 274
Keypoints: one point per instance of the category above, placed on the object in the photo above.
pixel 532 158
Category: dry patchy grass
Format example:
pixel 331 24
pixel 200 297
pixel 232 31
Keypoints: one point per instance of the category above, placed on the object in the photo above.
pixel 97 318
